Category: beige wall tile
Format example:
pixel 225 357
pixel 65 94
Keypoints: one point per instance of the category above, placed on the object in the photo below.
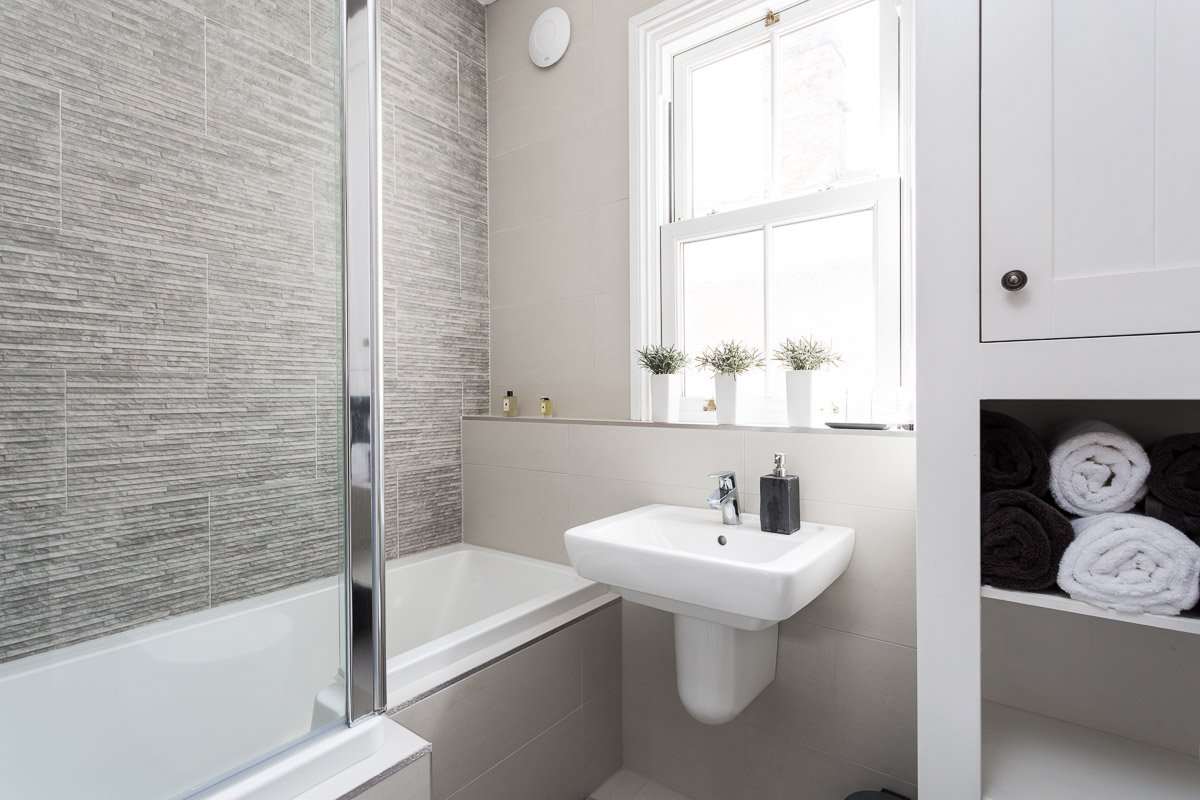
pixel 602 753
pixel 410 783
pixel 846 695
pixel 609 11
pixel 545 260
pixel 613 356
pixel 648 648
pixel 677 456
pixel 877 594
pixel 842 468
pixel 519 511
pixel 529 103
pixel 611 226
pixel 509 443
pixel 612 65
pixel 591 498
pixel 484 718
pixel 777 769
pixel 572 399
pixel 610 155
pixel 612 399
pixel 545 179
pixel 547 768
pixel 601 639
pixel 550 341
pixel 662 741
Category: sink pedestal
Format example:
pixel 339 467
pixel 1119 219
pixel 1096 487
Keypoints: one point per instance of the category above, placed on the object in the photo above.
pixel 729 587
pixel 720 669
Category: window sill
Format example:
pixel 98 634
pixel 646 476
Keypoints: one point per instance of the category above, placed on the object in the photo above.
pixel 692 425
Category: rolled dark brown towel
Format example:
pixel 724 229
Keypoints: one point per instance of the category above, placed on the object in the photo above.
pixel 1011 456
pixel 1023 539
pixel 1175 472
pixel 1187 523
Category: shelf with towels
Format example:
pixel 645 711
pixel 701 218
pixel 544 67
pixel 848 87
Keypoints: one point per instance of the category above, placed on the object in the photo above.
pixel 1187 622
pixel 1027 756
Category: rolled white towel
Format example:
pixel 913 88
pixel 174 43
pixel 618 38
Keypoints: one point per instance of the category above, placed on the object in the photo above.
pixel 1128 562
pixel 1095 469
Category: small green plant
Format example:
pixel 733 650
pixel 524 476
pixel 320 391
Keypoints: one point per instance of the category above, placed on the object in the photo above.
pixel 662 359
pixel 730 358
pixel 807 354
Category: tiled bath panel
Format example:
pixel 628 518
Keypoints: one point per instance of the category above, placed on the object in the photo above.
pixel 170 329
pixel 543 722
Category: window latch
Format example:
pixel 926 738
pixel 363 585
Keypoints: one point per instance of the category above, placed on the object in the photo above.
pixel 771 18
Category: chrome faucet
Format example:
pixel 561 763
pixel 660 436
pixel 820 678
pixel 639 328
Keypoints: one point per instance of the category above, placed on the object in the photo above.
pixel 726 498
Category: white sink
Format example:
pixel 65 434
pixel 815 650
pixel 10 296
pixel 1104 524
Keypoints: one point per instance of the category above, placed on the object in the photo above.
pixel 729 586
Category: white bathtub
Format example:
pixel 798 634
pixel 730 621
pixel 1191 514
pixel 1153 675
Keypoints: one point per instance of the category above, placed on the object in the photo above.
pixel 457 608
pixel 152 713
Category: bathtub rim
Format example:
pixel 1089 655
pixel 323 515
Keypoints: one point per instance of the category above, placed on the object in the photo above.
pixel 416 691
pixel 336 763
pixel 151 631
pixel 593 597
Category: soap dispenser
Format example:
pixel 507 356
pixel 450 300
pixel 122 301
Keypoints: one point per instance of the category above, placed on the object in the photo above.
pixel 779 500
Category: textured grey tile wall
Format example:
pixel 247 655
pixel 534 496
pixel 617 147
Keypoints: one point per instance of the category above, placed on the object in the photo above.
pixel 436 321
pixel 170 262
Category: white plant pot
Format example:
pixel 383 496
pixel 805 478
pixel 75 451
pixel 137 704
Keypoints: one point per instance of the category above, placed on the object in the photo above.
pixel 727 399
pixel 664 398
pixel 801 397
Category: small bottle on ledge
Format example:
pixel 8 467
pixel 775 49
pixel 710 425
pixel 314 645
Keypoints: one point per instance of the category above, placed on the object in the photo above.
pixel 508 404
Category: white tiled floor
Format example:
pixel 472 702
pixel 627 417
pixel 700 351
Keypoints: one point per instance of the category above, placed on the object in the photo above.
pixel 629 785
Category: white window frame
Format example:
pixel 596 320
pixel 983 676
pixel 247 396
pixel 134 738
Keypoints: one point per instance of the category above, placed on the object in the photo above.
pixel 655 38
pixel 880 197
pixel 736 41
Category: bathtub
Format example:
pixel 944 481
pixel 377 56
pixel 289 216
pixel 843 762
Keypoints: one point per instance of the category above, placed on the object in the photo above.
pixel 137 716
pixel 455 609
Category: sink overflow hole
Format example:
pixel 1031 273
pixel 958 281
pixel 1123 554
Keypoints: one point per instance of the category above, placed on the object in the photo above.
pixel 721 540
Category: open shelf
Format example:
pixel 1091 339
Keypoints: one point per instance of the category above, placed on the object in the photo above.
pixel 1188 622
pixel 1030 757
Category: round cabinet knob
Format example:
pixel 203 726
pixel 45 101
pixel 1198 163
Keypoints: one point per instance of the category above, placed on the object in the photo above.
pixel 1014 280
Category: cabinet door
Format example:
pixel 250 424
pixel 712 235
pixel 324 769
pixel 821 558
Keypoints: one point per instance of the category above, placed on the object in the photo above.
pixel 1090 167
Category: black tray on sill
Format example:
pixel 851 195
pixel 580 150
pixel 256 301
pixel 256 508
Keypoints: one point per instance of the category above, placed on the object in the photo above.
pixel 858 426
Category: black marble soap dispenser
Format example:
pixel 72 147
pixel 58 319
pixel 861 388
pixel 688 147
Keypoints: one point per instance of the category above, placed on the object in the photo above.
pixel 779 500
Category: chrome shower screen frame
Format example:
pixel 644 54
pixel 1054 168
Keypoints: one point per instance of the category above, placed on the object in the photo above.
pixel 366 692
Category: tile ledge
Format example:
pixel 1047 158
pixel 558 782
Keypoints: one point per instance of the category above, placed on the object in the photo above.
pixel 687 425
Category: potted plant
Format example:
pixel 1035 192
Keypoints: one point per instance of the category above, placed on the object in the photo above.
pixel 726 362
pixel 803 358
pixel 664 362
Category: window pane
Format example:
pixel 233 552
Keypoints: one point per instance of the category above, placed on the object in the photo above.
pixel 722 300
pixel 823 285
pixel 731 132
pixel 829 102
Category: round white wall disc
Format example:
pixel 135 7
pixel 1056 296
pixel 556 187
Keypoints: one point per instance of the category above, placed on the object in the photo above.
pixel 549 37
